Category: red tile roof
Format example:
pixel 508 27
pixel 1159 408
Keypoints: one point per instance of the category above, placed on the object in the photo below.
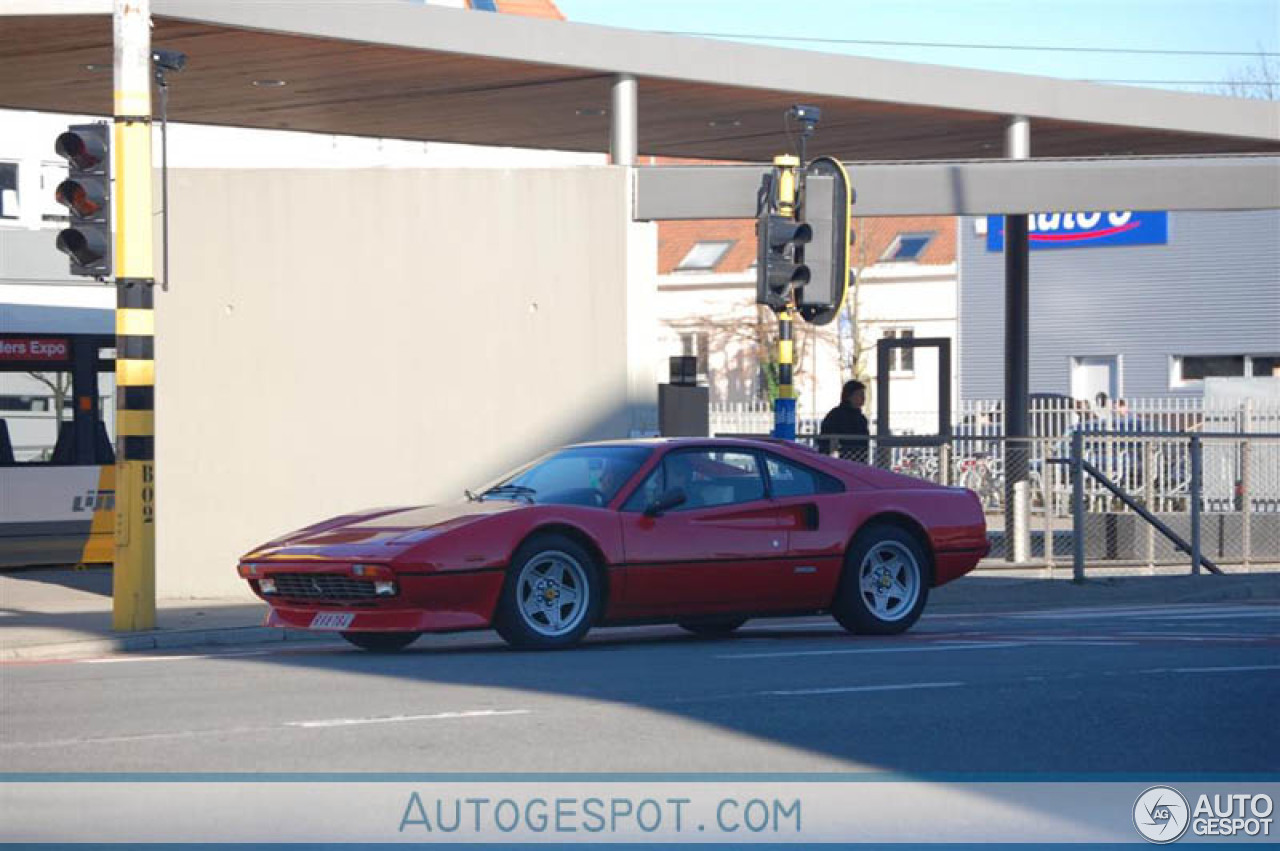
pixel 873 237
pixel 530 8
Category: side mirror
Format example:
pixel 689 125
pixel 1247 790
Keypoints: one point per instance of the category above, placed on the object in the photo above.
pixel 669 500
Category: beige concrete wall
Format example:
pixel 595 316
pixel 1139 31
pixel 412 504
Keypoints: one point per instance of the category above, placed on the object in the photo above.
pixel 338 340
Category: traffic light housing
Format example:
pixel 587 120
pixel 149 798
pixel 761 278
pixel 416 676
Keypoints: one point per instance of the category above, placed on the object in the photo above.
pixel 825 204
pixel 780 241
pixel 86 193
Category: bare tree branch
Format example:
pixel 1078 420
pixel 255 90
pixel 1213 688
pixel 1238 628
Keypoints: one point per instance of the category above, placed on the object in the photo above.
pixel 1259 80
pixel 59 385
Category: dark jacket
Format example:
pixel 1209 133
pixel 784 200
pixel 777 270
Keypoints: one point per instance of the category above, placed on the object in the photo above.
pixel 843 420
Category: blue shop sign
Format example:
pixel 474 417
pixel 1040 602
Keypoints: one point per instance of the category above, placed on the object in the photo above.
pixel 1083 230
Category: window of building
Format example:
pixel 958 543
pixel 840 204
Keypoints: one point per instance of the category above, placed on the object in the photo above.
pixel 907 247
pixel 704 256
pixel 1189 369
pixel 8 190
pixel 697 344
pixel 51 174
pixel 901 361
pixel 1266 365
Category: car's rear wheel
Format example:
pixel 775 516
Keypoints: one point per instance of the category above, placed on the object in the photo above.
pixel 712 628
pixel 885 583
pixel 552 594
pixel 381 642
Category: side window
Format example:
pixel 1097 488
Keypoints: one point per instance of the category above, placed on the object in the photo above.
pixel 788 479
pixel 650 489
pixel 714 477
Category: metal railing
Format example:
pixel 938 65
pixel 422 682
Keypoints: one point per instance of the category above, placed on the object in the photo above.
pixel 1143 499
pixel 1048 417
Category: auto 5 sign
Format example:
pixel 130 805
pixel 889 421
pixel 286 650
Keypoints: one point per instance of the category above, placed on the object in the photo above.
pixel 1086 230
pixel 44 349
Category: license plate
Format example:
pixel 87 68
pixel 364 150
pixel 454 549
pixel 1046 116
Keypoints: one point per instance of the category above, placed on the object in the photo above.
pixel 332 620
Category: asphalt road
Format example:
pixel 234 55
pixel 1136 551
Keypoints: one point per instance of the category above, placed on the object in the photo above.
pixel 1178 688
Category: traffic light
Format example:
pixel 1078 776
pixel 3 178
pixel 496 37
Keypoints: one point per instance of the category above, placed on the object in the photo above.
pixel 780 241
pixel 824 204
pixel 86 193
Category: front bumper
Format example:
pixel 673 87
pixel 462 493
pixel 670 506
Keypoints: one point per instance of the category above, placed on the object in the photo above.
pixel 424 602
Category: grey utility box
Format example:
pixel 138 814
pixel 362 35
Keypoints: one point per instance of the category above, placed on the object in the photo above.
pixel 684 408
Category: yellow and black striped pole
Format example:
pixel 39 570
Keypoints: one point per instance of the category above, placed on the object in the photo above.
pixel 784 407
pixel 134 575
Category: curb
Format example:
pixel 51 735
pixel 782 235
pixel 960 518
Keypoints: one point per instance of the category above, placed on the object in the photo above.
pixel 1108 591
pixel 217 637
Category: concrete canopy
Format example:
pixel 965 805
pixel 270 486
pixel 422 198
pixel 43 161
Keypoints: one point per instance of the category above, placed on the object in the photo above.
pixel 408 71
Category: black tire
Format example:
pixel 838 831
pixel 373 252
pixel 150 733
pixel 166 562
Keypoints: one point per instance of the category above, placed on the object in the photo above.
pixel 883 559
pixel 381 642
pixel 535 611
pixel 711 629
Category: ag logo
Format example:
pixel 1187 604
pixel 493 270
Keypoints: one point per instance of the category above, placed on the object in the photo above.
pixel 1161 814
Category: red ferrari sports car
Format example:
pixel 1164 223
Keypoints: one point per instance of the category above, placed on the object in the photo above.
pixel 705 533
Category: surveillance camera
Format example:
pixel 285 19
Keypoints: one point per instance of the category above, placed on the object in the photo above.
pixel 805 114
pixel 168 60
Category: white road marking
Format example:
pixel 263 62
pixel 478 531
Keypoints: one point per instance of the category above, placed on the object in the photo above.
pixel 803 692
pixel 1197 616
pixel 1078 642
pixel 1179 636
pixel 397 719
pixel 1178 611
pixel 266 728
pixel 141 737
pixel 918 649
pixel 1226 670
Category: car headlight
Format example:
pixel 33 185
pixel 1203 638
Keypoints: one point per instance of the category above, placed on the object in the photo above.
pixel 267 586
pixel 384 589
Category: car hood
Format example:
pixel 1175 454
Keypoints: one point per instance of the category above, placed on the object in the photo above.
pixel 379 533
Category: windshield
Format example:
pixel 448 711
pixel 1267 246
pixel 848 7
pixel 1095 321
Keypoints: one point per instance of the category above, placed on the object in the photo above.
pixel 581 475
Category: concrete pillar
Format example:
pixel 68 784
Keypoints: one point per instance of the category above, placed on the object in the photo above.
pixel 642 265
pixel 623 121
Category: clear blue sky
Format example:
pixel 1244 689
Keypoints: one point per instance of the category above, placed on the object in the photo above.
pixel 1247 26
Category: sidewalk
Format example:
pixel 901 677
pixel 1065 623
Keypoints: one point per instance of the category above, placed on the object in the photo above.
pixel 53 613
pixel 62 613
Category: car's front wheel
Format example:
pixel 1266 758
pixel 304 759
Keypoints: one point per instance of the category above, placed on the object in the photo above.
pixel 712 628
pixel 552 594
pixel 381 642
pixel 885 583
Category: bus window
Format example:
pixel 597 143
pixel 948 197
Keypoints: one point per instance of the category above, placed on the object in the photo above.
pixel 56 455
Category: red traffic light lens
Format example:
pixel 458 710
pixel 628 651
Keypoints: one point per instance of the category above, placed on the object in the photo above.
pixel 84 152
pixel 77 198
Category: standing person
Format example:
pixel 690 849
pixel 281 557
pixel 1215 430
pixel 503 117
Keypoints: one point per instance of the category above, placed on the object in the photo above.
pixel 1101 412
pixel 1122 419
pixel 847 420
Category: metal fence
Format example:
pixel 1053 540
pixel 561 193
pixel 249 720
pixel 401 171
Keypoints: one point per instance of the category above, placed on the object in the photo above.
pixel 1222 488
pixel 1054 416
